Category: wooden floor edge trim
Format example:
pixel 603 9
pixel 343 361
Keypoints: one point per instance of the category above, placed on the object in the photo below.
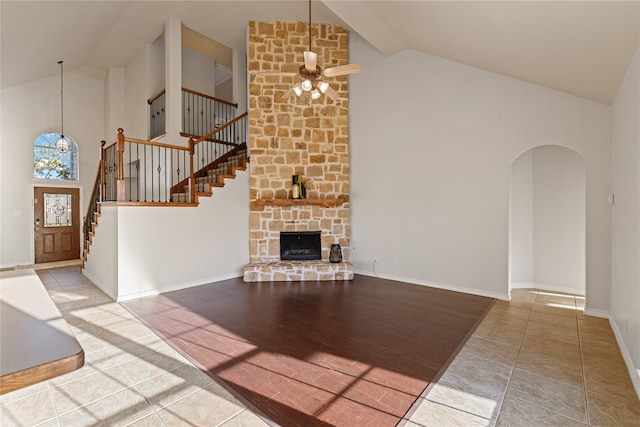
pixel 27 377
pixel 429 386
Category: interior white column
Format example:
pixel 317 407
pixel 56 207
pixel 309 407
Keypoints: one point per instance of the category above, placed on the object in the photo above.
pixel 173 80
pixel 114 95
pixel 239 82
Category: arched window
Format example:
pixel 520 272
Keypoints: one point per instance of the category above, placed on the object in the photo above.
pixel 51 163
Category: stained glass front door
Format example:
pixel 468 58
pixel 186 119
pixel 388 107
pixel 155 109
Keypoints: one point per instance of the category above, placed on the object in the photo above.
pixel 56 224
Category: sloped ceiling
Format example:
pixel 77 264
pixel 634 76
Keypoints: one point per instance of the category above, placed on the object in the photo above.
pixel 579 47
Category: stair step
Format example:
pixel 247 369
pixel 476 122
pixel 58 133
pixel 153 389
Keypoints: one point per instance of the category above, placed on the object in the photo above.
pixel 215 177
pixel 180 197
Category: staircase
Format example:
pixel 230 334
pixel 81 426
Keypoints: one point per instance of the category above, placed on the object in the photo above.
pixel 213 175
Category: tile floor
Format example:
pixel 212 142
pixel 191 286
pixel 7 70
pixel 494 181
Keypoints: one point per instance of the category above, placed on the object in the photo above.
pixel 131 377
pixel 534 361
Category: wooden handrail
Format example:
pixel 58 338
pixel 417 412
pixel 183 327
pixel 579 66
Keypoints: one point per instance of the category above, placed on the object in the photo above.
pixel 204 95
pixel 192 187
pixel 101 169
pixel 95 184
pixel 156 96
pixel 156 144
pixel 224 126
pixel 184 89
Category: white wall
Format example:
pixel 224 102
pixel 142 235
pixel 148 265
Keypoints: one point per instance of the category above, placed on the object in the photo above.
pixel 198 72
pixel 101 266
pixel 162 249
pixel 156 63
pixel 225 90
pixel 139 87
pixel 114 89
pixel 559 219
pixel 26 111
pixel 625 247
pixel 431 145
pixel 521 236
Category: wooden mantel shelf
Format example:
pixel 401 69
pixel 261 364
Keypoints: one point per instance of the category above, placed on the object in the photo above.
pixel 259 204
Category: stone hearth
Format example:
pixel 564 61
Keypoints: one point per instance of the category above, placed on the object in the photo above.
pixel 288 271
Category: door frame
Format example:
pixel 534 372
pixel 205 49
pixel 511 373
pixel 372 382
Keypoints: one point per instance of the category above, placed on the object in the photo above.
pixel 54 184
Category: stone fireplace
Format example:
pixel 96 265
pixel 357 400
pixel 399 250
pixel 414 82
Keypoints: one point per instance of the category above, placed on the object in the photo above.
pixel 297 136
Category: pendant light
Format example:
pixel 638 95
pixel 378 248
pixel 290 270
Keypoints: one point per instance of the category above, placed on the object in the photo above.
pixel 62 144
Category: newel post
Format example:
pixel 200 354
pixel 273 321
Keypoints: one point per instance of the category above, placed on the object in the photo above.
pixel 192 181
pixel 121 185
pixel 102 180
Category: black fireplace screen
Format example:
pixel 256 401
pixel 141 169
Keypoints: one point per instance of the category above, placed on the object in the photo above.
pixel 300 245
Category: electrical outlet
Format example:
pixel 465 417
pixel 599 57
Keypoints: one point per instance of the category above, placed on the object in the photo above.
pixel 202 264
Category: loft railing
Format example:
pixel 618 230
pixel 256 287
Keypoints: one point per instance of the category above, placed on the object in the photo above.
pixel 201 113
pixel 157 116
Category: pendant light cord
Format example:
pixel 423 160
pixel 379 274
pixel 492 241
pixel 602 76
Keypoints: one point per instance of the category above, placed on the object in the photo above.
pixel 61 101
pixel 309 25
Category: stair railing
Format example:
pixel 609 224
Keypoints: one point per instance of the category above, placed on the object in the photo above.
pixel 214 148
pixel 201 113
pixel 220 141
pixel 143 172
pixel 92 210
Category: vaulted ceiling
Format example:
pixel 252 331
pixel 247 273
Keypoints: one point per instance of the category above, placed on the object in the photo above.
pixel 579 47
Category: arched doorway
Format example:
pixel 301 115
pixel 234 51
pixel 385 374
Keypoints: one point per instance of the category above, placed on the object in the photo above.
pixel 547 220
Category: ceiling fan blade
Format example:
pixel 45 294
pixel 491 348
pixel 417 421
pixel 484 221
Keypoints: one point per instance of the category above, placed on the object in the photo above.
pixel 331 93
pixel 287 94
pixel 310 60
pixel 342 70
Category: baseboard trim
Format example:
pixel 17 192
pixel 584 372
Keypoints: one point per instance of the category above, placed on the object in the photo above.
pixel 547 287
pixel 634 373
pixel 596 313
pixel 444 286
pixel 98 284
pixel 177 287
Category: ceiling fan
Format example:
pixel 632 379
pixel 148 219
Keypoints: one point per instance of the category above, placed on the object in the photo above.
pixel 310 76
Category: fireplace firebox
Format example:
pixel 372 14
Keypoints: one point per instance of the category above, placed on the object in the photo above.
pixel 300 245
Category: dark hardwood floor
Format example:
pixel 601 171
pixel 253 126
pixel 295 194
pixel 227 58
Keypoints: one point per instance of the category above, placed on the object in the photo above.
pixel 318 353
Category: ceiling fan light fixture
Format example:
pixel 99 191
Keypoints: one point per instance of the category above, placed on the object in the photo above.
pixel 315 94
pixel 323 86
pixel 307 85
pixel 297 88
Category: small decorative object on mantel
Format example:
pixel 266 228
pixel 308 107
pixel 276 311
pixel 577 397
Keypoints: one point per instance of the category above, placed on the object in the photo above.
pixel 298 189
pixel 295 186
pixel 335 254
pixel 303 190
